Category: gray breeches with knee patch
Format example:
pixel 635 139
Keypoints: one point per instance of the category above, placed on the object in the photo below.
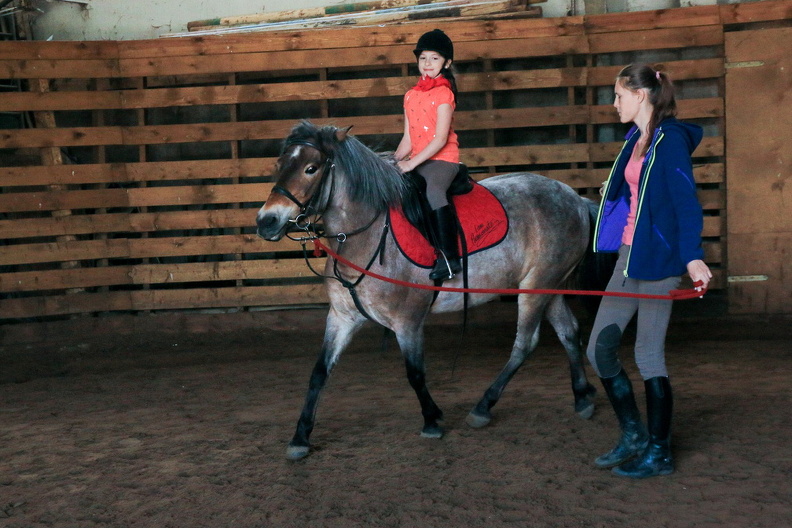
pixel 616 312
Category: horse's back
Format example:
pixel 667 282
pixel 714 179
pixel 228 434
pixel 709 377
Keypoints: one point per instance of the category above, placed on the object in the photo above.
pixel 535 187
pixel 542 205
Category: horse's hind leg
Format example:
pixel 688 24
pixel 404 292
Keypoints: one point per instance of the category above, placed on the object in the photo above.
pixel 338 332
pixel 530 313
pixel 568 330
pixel 411 344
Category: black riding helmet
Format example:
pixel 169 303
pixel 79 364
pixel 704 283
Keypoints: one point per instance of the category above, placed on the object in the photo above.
pixel 436 41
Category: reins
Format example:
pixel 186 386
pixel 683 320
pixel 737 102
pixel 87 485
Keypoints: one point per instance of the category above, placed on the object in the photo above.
pixel 309 209
pixel 673 295
pixel 303 222
pixel 341 238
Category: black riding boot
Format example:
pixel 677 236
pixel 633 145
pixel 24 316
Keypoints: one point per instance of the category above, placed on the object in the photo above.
pixel 634 436
pixel 446 243
pixel 656 458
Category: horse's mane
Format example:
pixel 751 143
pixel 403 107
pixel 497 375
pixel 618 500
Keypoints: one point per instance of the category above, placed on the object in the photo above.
pixel 372 179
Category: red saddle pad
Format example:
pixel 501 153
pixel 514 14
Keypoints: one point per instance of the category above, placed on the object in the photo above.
pixel 483 219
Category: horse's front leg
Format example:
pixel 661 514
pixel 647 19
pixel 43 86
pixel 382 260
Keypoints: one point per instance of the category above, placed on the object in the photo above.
pixel 338 332
pixel 529 317
pixel 568 331
pixel 411 344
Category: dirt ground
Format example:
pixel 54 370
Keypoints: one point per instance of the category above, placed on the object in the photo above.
pixel 182 420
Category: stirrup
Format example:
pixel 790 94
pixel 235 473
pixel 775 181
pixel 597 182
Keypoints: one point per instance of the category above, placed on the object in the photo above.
pixel 442 269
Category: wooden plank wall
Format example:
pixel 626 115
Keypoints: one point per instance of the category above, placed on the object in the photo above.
pixel 759 226
pixel 152 157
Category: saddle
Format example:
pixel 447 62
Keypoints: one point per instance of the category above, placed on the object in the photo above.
pixel 482 219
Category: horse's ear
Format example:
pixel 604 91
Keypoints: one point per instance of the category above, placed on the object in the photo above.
pixel 341 133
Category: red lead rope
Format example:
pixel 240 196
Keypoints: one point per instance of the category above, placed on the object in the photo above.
pixel 673 295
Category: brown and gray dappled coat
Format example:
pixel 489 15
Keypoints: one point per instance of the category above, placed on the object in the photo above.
pixel 548 236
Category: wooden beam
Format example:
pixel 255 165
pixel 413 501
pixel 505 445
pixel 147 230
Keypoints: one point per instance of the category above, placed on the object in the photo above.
pixel 306 13
pixel 410 13
pixel 121 173
pixel 138 300
pixel 138 248
pixel 175 273
pixel 335 89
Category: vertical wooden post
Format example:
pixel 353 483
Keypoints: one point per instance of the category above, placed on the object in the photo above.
pixel 140 84
pixel 324 102
pixel 758 158
pixel 489 101
pixel 571 101
pixel 100 156
pixel 235 147
pixel 590 139
pixel 51 156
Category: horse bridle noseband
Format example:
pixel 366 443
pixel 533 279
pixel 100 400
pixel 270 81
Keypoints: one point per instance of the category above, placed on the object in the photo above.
pixel 303 223
pixel 309 208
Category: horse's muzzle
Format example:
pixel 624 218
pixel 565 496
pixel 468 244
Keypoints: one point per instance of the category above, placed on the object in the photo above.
pixel 270 227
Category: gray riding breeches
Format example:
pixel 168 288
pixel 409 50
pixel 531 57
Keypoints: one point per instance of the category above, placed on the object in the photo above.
pixel 616 312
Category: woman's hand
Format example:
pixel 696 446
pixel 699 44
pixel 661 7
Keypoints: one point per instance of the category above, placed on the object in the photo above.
pixel 699 271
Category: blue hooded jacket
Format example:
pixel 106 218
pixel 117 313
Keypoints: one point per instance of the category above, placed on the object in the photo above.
pixel 668 220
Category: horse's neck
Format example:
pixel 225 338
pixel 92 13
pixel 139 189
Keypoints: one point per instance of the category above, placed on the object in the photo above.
pixel 362 222
pixel 349 218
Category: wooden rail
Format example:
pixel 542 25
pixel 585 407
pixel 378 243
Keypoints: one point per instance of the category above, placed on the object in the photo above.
pixel 157 153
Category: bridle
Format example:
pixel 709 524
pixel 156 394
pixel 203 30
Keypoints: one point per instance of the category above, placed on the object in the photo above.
pixel 312 208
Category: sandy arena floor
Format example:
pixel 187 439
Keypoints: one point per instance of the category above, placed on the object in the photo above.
pixel 182 421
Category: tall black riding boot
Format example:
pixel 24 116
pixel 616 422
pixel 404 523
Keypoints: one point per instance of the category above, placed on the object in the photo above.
pixel 656 458
pixel 446 243
pixel 633 438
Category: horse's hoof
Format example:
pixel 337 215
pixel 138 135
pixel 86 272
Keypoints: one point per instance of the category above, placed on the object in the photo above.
pixel 434 431
pixel 585 411
pixel 477 421
pixel 297 452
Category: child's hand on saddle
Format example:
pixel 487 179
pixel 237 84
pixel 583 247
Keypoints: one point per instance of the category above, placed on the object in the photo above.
pixel 405 165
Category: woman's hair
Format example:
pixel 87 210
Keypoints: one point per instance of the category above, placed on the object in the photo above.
pixel 659 87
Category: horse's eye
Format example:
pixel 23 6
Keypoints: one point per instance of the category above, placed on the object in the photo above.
pixel 311 170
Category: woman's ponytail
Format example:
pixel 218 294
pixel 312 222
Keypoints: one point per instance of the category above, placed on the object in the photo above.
pixel 659 87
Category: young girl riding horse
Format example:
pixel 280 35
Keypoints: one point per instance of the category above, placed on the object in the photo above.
pixel 430 146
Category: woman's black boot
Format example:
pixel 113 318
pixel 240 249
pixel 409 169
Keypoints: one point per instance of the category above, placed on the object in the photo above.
pixel 656 458
pixel 634 436
pixel 447 244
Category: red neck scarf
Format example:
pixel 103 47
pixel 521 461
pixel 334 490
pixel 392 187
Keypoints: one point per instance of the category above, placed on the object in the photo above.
pixel 427 83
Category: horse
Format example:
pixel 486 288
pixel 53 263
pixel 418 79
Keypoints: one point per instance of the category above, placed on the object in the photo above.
pixel 326 172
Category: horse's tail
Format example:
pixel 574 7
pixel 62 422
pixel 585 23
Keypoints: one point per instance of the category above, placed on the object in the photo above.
pixel 595 269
